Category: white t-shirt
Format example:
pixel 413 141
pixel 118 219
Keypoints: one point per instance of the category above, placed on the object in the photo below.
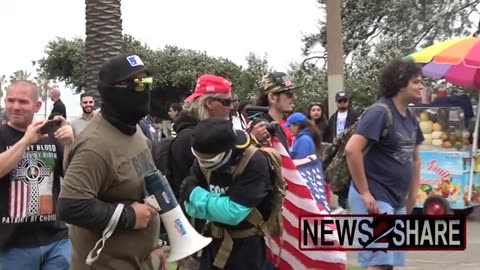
pixel 341 121
pixel 238 122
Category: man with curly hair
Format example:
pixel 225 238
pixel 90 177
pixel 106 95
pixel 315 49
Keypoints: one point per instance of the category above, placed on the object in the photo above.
pixel 386 178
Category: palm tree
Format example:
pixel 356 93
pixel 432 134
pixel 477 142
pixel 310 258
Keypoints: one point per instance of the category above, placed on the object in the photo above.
pixel 20 75
pixel 104 38
pixel 43 85
pixel 3 84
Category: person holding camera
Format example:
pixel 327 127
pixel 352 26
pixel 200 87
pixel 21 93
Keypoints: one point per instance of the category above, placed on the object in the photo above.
pixel 276 93
pixel 31 156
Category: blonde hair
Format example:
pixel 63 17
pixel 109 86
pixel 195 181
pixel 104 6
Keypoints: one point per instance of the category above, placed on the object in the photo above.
pixel 198 107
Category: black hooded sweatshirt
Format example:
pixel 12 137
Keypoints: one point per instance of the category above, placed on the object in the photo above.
pixel 182 157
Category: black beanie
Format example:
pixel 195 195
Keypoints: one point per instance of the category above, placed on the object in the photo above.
pixel 216 135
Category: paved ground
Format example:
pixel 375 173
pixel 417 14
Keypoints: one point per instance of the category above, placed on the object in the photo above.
pixel 445 260
pixel 451 260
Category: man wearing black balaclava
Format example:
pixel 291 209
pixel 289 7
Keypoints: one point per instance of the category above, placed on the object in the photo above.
pixel 105 174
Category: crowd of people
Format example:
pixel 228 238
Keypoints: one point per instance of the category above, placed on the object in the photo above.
pixel 61 187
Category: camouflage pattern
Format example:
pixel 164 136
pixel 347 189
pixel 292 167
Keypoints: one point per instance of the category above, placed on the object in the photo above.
pixel 334 161
pixel 276 82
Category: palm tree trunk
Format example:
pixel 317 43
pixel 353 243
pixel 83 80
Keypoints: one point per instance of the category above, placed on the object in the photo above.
pixel 104 39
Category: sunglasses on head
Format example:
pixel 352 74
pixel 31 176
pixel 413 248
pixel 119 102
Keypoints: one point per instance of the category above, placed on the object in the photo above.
pixel 225 101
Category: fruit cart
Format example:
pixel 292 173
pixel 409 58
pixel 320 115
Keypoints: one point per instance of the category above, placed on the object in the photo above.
pixel 447 183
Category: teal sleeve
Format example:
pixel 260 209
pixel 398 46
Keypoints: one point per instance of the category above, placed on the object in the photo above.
pixel 213 207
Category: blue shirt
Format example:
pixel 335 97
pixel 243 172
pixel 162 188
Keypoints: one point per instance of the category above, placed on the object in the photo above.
pixel 389 163
pixel 303 146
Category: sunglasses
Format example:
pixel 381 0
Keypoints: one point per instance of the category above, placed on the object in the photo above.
pixel 343 100
pixel 225 101
pixel 288 93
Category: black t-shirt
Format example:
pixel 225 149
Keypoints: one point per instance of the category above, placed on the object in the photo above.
pixel 28 194
pixel 58 109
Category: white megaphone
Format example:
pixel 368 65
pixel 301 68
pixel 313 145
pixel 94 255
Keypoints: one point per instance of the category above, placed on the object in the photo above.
pixel 184 239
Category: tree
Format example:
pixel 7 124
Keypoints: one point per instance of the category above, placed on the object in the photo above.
pixel 104 38
pixel 3 84
pixel 256 68
pixel 65 62
pixel 375 31
pixel 313 86
pixel 44 85
pixel 175 69
pixel 20 75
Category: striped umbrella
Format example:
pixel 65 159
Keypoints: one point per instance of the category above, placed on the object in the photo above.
pixel 456 60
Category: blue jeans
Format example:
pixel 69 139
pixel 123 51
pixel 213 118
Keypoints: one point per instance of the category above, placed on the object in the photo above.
pixel 370 258
pixel 55 256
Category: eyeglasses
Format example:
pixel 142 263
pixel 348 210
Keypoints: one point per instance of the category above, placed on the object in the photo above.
pixel 225 101
pixel 343 100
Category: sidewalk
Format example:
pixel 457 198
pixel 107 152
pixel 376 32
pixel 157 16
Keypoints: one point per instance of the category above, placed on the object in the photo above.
pixel 468 259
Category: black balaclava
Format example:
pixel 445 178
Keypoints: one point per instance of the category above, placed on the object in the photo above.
pixel 123 107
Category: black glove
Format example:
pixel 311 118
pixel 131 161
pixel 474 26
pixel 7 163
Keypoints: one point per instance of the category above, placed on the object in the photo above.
pixel 187 186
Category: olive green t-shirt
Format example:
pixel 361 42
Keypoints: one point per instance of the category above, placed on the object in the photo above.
pixel 108 165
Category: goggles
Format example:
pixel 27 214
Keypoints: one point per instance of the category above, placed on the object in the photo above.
pixel 142 84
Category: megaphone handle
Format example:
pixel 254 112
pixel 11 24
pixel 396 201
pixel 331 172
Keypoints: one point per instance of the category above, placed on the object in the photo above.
pixel 107 232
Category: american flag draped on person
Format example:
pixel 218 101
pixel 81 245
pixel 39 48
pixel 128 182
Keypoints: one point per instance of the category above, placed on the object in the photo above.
pixel 305 196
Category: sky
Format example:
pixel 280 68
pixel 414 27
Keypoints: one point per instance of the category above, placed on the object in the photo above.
pixel 230 29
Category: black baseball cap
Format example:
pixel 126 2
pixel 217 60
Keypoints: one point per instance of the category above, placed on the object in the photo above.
pixel 217 135
pixel 342 95
pixel 121 67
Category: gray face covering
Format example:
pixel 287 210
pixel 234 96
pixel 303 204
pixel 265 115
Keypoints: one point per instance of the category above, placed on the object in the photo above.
pixel 215 162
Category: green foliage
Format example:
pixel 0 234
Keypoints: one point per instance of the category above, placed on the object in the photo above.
pixel 375 31
pixel 175 69
pixel 65 62
pixel 251 75
pixel 313 82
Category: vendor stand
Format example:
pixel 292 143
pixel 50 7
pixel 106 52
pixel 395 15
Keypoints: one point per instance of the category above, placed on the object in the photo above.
pixel 450 175
pixel 446 163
